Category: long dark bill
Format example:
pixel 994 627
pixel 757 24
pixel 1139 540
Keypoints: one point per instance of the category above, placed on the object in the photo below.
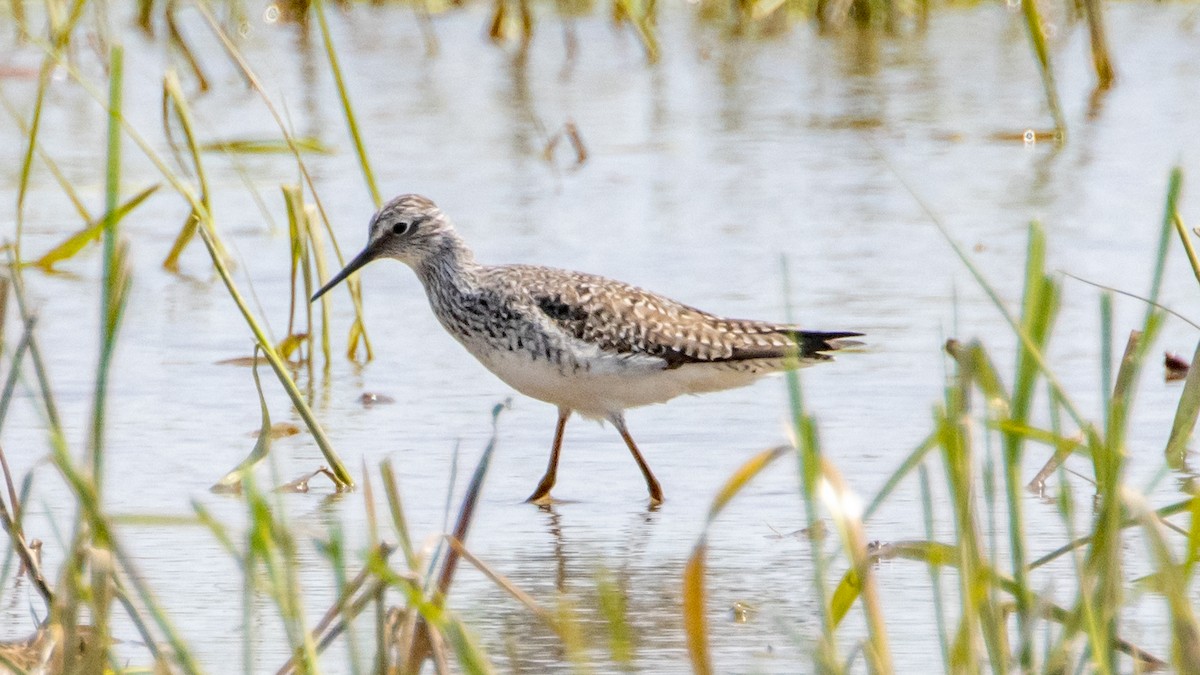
pixel 367 255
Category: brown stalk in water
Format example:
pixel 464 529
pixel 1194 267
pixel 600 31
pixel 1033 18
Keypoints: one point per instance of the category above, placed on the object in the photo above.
pixel 1041 52
pixel 11 519
pixel 1106 75
pixel 425 641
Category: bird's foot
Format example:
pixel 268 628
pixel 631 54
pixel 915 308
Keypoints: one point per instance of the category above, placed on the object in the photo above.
pixel 656 493
pixel 540 497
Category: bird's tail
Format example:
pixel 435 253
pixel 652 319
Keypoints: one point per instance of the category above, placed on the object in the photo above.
pixel 818 345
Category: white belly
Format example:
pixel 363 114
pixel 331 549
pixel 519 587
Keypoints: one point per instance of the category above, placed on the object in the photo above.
pixel 605 385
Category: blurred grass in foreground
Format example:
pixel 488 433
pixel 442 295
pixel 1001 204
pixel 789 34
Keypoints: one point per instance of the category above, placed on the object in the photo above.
pixel 1083 637
pixel 1002 621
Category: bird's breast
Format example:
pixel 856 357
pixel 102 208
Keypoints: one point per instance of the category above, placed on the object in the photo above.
pixel 599 385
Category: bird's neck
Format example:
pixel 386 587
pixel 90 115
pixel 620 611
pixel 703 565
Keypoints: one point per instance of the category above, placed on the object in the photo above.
pixel 450 268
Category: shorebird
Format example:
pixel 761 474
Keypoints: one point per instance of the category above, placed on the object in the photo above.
pixel 584 343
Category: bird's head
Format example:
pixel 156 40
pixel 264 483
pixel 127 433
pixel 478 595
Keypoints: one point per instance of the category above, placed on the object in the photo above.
pixel 409 228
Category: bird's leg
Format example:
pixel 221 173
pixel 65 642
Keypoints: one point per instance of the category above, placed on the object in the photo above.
pixel 656 495
pixel 541 496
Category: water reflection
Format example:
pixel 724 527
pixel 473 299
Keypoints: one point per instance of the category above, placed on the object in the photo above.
pixel 632 547
pixel 859 48
pixel 569 549
pixel 309 62
pixel 554 527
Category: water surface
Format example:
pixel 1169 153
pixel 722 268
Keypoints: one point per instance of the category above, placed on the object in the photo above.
pixel 705 172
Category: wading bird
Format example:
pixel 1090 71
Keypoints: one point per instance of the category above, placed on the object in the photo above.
pixel 584 343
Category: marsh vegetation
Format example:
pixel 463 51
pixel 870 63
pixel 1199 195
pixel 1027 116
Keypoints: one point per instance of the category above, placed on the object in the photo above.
pixel 205 472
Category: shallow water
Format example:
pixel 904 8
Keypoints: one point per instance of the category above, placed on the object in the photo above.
pixel 704 173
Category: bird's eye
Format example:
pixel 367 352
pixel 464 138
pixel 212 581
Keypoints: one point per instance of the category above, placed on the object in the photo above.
pixel 400 228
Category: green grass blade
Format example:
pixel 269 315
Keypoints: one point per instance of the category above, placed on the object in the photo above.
pixel 935 576
pixel 1185 415
pixel 115 280
pixel 63 182
pixel 173 94
pixel 1102 580
pixel 216 252
pixel 232 481
pixel 1186 240
pixel 808 462
pixel 186 234
pixel 351 121
pixel 471 657
pixel 1041 52
pixel 980 618
pixel 1027 341
pixel 1185 629
pixel 1106 352
pixel 268 146
pixel 316 251
pixel 1174 188
pixel 913 460
pixel 744 474
pixel 1192 554
pixel 358 332
pixel 846 511
pixel 1037 317
pixel 466 511
pixel 75 243
pixel 695 621
pixel 26 170
pixel 399 520
pixel 277 365
pixel 89 505
pixel 294 200
pixel 614 607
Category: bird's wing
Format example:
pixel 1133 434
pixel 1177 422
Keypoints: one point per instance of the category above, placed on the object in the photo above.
pixel 626 320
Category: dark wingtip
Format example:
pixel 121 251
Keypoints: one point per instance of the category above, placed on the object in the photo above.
pixel 817 344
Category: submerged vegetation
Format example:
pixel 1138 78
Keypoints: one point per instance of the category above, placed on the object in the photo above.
pixel 991 613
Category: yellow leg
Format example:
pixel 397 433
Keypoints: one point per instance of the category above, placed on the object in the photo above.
pixel 656 495
pixel 541 496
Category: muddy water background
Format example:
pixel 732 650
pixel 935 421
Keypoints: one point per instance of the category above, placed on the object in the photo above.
pixel 704 173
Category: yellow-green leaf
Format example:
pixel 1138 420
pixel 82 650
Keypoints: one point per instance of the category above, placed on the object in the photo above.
pixel 76 242
pixel 844 596
pixel 185 235
pixel 742 476
pixel 290 344
pixel 695 623
pixel 268 146
pixel 356 334
pixel 232 481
